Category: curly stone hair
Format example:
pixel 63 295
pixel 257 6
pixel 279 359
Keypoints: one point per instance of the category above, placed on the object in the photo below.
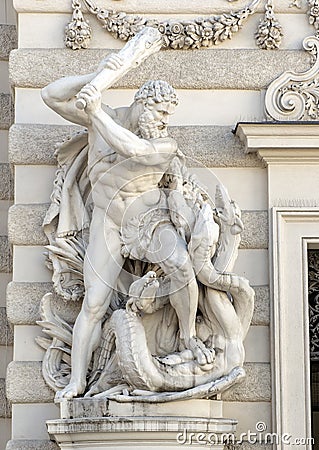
pixel 158 91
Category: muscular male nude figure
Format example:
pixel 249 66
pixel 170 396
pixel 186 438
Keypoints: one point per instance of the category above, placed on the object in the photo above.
pixel 129 151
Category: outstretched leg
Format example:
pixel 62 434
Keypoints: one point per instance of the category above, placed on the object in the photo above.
pixel 102 265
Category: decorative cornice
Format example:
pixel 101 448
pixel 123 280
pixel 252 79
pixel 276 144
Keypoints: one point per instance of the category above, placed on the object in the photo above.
pixel 289 144
pixel 295 96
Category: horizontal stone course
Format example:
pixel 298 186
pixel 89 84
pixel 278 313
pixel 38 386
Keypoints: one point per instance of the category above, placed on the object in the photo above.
pixel 153 6
pixel 249 446
pixel 5 255
pixel 22 444
pixel 18 444
pixel 23 304
pixel 36 144
pixel 203 146
pixel 255 233
pixel 256 386
pixel 25 384
pixel 8 40
pixel 6 111
pixel 5 405
pixel 261 314
pixel 25 226
pixel 6 329
pixel 6 182
pixel 198 69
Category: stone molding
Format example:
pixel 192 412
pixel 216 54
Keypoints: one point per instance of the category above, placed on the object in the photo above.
pixel 294 230
pixel 80 408
pixel 276 143
pixel 8 40
pixel 204 146
pixel 23 302
pixel 37 67
pixel 149 6
pixel 146 432
pixel 25 226
pixel 25 383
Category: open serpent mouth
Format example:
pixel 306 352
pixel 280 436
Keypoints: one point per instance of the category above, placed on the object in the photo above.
pixel 150 284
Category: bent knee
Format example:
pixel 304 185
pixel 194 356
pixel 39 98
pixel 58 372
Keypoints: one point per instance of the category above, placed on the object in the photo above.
pixel 180 269
pixel 96 302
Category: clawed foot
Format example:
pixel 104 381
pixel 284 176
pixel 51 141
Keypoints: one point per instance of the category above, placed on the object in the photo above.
pixel 174 359
pixel 73 389
pixel 201 353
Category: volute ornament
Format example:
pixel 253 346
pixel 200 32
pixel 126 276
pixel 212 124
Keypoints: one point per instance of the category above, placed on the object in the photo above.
pixel 295 96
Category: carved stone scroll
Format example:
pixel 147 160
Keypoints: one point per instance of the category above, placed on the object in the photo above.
pixel 295 96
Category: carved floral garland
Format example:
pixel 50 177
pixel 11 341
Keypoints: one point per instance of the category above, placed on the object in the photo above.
pixel 269 32
pixel 78 32
pixel 177 34
pixel 313 14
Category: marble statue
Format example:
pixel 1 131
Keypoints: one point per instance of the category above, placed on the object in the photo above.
pixel 135 237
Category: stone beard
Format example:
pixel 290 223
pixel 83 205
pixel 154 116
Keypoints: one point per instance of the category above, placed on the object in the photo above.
pixel 150 128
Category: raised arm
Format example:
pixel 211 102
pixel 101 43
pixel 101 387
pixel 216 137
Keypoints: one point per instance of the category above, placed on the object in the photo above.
pixel 61 95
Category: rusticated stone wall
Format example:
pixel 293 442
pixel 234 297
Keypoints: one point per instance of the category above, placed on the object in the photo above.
pixel 217 88
pixel 8 41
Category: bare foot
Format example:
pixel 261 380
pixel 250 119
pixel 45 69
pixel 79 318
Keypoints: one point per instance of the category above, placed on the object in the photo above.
pixel 202 354
pixel 71 390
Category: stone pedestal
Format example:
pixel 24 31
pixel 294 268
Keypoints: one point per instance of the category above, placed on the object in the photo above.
pixel 90 424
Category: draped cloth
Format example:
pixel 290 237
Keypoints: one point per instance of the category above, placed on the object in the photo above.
pixel 67 220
